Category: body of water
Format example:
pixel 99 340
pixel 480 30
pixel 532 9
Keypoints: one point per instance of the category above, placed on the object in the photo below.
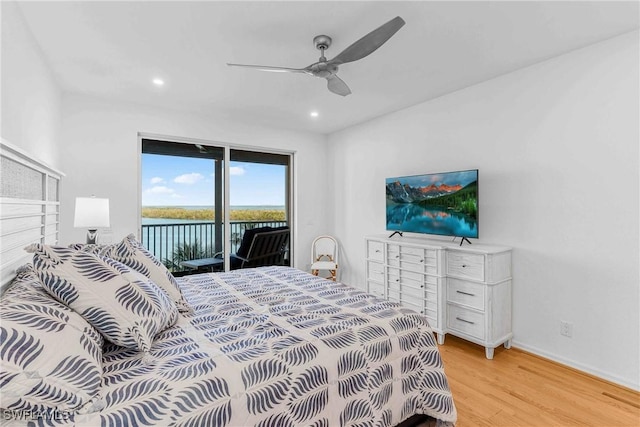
pixel 162 235
pixel 160 221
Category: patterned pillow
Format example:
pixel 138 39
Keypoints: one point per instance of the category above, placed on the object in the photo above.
pixel 133 254
pixel 123 305
pixel 51 357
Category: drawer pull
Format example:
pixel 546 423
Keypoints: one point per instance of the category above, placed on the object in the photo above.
pixel 421 260
pixel 466 293
pixel 465 321
pixel 464 265
pixel 377 251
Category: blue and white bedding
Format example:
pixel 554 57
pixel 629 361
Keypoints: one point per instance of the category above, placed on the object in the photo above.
pixel 272 346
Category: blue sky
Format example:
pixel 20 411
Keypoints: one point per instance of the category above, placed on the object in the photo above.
pixel 187 181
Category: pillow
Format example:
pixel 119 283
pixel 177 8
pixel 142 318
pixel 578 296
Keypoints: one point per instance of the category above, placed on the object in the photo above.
pixel 123 305
pixel 134 255
pixel 51 357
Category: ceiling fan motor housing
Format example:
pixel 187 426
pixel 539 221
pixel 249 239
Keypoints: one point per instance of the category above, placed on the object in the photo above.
pixel 322 42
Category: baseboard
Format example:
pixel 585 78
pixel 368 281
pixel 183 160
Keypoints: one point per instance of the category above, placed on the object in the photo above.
pixel 605 376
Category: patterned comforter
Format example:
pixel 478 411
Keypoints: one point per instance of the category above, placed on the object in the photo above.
pixel 275 346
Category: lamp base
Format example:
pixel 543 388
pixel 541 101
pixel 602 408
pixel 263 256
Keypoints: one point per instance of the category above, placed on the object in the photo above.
pixel 91 236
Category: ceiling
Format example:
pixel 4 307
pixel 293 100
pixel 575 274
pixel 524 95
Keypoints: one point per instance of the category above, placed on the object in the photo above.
pixel 115 49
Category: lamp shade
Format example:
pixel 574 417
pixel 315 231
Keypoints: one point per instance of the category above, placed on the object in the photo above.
pixel 91 212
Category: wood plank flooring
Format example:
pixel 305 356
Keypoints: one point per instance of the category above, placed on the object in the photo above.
pixel 517 388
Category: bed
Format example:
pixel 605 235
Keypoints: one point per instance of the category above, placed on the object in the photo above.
pixel 106 336
pixel 274 346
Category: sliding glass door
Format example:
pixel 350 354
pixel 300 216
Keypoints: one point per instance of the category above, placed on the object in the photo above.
pixel 258 192
pixel 182 192
pixel 184 205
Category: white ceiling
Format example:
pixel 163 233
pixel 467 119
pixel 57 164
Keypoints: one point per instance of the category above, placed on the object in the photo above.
pixel 114 49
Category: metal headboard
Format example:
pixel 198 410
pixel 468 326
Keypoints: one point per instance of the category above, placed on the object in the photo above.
pixel 29 207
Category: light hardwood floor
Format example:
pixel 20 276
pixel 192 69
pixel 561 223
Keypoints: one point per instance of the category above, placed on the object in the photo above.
pixel 517 388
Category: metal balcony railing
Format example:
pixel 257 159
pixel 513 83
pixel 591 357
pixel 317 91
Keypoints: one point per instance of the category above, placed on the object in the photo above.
pixel 173 243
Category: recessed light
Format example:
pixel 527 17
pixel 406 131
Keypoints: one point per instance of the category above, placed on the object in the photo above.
pixel 158 82
pixel 314 114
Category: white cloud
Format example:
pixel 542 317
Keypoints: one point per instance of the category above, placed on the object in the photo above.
pixel 156 180
pixel 236 170
pixel 160 189
pixel 188 178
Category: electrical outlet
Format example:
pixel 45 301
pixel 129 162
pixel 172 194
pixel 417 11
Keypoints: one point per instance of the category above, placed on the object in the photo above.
pixel 566 329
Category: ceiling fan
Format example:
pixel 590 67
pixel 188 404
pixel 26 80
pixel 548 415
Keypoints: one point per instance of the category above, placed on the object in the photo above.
pixel 328 69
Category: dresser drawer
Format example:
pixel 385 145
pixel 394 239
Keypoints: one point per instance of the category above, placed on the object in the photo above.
pixel 465 321
pixel 431 306
pixel 375 271
pixel 413 277
pixel 465 265
pixel 393 251
pixel 466 293
pixel 411 292
pixel 407 291
pixel 398 257
pixel 376 289
pixel 415 252
pixel 404 277
pixel 375 251
pixel 431 288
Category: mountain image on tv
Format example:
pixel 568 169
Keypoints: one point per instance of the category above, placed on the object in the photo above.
pixel 445 203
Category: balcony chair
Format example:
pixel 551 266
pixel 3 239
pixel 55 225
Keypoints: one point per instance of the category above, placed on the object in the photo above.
pixel 261 247
pixel 324 256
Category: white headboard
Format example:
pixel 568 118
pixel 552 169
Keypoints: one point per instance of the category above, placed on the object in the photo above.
pixel 29 207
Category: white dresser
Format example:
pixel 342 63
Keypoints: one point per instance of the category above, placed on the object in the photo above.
pixel 463 290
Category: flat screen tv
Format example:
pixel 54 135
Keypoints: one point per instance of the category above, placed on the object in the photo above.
pixel 445 204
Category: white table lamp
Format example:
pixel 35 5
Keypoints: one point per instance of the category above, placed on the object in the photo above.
pixel 91 213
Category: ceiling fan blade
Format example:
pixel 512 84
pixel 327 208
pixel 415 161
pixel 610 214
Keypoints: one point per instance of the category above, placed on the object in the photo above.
pixel 369 43
pixel 336 85
pixel 272 69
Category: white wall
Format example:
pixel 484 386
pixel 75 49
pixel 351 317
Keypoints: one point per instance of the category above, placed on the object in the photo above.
pixel 557 149
pixel 100 156
pixel 30 96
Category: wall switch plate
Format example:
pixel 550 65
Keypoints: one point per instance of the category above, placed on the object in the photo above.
pixel 566 329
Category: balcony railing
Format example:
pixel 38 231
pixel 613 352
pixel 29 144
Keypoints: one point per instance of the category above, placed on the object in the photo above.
pixel 173 243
